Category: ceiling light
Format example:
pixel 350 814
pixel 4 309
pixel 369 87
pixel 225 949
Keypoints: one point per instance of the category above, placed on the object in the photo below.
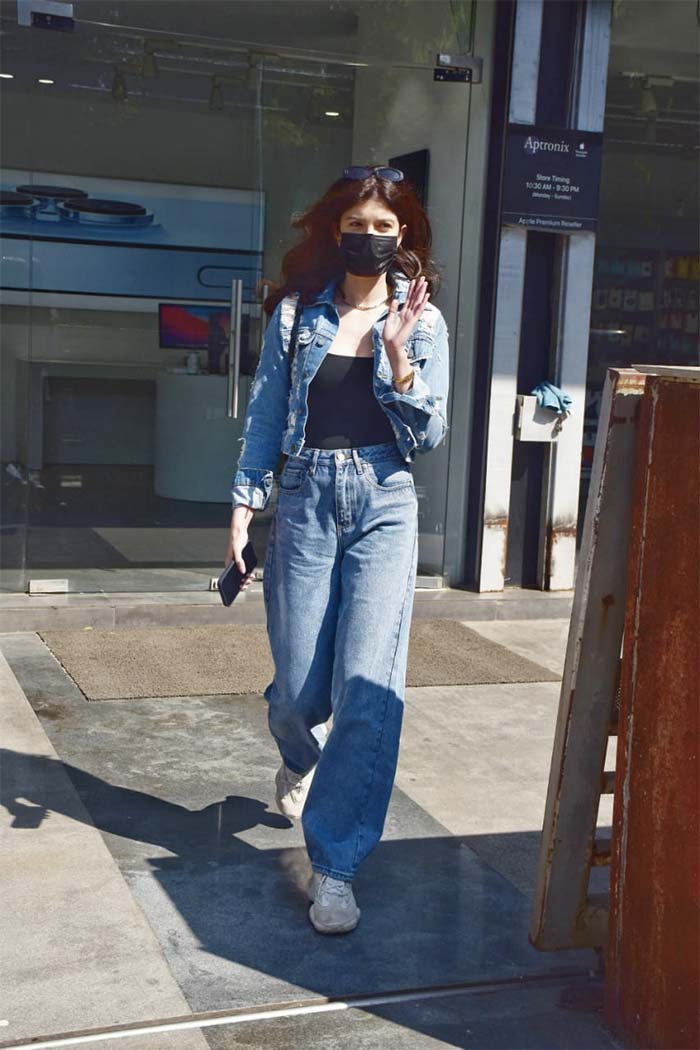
pixel 332 113
pixel 7 76
pixel 44 80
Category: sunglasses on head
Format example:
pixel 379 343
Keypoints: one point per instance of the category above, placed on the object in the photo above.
pixel 360 172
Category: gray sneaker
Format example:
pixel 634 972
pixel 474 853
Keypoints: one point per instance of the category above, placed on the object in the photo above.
pixel 334 909
pixel 291 791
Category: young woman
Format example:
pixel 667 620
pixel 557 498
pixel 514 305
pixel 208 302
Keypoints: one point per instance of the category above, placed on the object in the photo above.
pixel 366 391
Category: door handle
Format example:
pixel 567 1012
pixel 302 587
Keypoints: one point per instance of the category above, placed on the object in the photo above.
pixel 234 349
pixel 263 316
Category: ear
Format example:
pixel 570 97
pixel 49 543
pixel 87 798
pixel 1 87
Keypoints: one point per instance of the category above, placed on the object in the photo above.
pixel 402 233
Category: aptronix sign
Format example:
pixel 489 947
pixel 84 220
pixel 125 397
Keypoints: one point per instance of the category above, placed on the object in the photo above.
pixel 552 178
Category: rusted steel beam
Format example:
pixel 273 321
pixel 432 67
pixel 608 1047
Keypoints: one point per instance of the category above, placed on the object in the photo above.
pixel 562 916
pixel 652 974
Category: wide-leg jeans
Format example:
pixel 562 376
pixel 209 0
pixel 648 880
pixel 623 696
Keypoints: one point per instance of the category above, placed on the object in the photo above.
pixel 338 584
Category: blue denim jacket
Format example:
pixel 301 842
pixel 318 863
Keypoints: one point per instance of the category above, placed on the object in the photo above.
pixel 277 406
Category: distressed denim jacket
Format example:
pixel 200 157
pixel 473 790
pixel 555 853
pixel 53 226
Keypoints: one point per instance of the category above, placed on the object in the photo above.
pixel 277 406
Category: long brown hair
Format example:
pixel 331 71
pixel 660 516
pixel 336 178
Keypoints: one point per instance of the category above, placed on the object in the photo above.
pixel 310 265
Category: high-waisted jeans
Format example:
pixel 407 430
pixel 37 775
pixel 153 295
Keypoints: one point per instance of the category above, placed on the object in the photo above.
pixel 338 584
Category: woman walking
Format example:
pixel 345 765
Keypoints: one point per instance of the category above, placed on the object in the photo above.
pixel 366 390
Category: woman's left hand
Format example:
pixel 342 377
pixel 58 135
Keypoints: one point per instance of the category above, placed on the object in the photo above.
pixel 398 326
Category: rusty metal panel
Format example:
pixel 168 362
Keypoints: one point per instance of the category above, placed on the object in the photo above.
pixel 563 915
pixel 652 981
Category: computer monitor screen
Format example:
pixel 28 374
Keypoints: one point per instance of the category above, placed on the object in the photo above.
pixel 189 327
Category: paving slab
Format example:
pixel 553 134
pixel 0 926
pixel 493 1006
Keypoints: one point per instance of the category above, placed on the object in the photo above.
pixel 77 950
pixel 561 1015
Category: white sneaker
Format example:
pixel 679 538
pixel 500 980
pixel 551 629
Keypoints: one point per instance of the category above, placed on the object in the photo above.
pixel 334 908
pixel 292 789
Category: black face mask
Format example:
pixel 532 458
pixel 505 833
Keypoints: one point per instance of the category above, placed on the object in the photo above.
pixel 368 254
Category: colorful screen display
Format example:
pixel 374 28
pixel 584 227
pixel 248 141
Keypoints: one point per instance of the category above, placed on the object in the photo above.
pixel 193 327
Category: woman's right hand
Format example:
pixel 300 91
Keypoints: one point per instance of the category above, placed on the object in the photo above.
pixel 238 538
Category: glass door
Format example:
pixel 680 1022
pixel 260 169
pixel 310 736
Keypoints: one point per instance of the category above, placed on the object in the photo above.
pixel 148 180
pixel 132 249
pixel 372 97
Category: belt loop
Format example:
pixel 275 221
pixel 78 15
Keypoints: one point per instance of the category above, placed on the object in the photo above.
pixel 314 460
pixel 358 462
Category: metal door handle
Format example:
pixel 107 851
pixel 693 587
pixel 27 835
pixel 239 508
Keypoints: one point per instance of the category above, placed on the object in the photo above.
pixel 263 316
pixel 234 349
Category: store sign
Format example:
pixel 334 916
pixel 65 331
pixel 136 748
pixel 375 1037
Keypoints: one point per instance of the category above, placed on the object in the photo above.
pixel 552 177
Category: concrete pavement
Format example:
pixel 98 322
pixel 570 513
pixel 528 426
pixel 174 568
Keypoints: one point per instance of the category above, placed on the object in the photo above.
pixel 150 876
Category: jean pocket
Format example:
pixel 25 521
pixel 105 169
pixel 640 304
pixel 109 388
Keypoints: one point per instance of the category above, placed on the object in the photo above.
pixel 292 478
pixel 389 475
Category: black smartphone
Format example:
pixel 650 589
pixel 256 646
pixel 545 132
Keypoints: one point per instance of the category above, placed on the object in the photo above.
pixel 230 579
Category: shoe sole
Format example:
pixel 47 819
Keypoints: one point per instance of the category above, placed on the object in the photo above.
pixel 346 928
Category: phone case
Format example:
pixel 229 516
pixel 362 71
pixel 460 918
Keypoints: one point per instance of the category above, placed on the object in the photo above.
pixel 230 578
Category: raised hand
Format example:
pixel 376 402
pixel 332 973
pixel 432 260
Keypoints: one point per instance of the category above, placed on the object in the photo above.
pixel 399 325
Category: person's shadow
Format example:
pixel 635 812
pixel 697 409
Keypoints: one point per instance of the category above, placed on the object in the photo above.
pixel 129 813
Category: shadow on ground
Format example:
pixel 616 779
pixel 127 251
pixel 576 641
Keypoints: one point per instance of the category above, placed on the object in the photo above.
pixel 231 917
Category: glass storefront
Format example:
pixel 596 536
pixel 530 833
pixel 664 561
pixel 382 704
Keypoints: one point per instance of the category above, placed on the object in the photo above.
pixel 152 160
pixel 644 306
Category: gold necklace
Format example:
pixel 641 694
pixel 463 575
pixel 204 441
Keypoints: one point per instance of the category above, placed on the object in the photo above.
pixel 374 306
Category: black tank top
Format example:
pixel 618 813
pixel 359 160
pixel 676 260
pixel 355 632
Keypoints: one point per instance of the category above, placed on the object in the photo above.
pixel 343 410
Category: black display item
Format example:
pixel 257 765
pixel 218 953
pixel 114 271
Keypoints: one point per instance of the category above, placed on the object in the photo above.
pixel 229 583
pixel 416 169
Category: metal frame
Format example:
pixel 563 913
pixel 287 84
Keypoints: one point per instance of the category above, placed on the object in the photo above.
pixel 509 298
pixel 463 339
pixel 557 555
pixel 557 549
pixel 564 914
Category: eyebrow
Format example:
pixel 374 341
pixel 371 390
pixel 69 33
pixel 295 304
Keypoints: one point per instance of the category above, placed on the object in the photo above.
pixel 360 217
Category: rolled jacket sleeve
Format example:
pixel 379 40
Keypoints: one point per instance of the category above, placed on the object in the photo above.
pixel 264 423
pixel 423 407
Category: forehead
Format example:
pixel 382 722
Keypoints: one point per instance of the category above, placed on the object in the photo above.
pixel 370 209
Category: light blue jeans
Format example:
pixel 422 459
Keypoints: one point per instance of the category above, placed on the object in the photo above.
pixel 338 584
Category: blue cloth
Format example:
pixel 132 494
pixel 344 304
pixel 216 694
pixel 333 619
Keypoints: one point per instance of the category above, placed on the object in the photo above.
pixel 550 396
pixel 338 585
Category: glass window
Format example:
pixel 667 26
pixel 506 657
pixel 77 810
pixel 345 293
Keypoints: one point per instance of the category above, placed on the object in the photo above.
pixel 151 160
pixel 644 305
